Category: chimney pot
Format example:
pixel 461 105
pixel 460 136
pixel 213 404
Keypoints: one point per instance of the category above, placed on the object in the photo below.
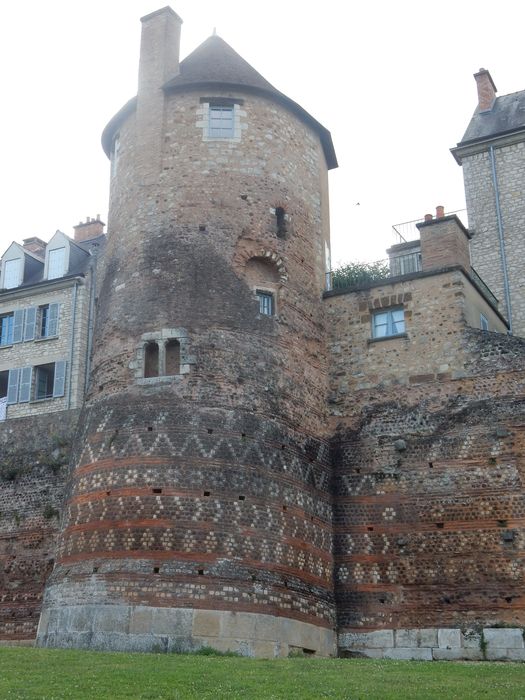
pixel 440 212
pixel 428 217
pixel 486 90
pixel 91 228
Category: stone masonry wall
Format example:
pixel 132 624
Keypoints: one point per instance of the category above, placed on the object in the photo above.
pixel 210 488
pixel 32 482
pixel 52 349
pixel 485 247
pixel 429 467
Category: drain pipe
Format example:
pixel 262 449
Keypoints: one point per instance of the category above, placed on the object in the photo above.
pixel 72 341
pixel 501 239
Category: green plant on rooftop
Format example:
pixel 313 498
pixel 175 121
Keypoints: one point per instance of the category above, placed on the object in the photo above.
pixel 357 273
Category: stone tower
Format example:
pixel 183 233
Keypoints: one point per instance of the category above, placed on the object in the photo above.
pixel 199 508
pixel 492 153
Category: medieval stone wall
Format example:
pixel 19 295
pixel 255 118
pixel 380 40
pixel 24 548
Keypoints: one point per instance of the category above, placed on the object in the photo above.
pixel 34 454
pixel 210 488
pixel 428 460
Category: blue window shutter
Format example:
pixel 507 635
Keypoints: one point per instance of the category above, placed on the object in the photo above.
pixel 30 323
pixel 12 386
pixel 60 378
pixel 18 326
pixel 24 394
pixel 52 321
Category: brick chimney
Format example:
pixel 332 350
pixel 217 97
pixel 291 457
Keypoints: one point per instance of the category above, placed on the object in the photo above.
pixel 91 228
pixel 159 62
pixel 159 50
pixel 486 90
pixel 36 246
pixel 444 242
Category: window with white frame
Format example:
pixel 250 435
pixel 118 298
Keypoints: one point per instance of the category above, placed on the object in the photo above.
pixel 6 329
pixel 12 273
pixel 56 263
pixel 48 320
pixel 46 381
pixel 266 302
pixel 388 322
pixel 483 322
pixel 221 121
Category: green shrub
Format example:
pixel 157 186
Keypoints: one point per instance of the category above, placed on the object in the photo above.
pixel 357 273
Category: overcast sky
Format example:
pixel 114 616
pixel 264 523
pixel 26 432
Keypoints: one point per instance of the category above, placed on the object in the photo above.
pixel 392 81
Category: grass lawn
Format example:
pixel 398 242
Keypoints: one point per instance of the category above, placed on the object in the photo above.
pixel 49 674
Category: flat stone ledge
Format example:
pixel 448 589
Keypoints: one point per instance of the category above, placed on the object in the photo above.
pixel 439 644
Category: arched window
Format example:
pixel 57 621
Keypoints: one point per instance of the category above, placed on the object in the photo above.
pixel 172 357
pixel 151 360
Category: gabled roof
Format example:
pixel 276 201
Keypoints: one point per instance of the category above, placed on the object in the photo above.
pixel 214 64
pixel 506 116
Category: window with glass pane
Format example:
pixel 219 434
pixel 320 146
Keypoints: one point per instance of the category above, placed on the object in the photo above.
pixel 12 273
pixel 221 122
pixel 7 324
pixel 265 303
pixel 56 263
pixel 387 323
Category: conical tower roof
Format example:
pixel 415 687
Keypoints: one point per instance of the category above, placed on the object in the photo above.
pixel 214 64
pixel 214 61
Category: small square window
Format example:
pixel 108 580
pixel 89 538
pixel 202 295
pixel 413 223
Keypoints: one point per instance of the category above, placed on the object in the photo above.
pixel 221 122
pixel 266 306
pixel 483 322
pixel 388 323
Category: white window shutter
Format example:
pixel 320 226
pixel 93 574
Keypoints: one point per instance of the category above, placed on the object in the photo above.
pixel 24 394
pixel 18 325
pixel 12 386
pixel 30 323
pixel 52 321
pixel 60 378
pixel 56 263
pixel 12 273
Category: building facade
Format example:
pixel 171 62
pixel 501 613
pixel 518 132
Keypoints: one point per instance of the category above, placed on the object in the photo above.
pixel 257 464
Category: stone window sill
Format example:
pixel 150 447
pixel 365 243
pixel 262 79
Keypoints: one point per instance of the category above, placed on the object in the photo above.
pixel 387 337
pixel 47 337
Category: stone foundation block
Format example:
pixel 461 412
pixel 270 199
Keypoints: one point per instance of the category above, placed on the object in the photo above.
pixel 457 654
pixel 206 623
pixel 516 654
pixel 367 640
pixel 449 638
pixel 141 620
pixel 408 653
pixel 504 638
pixel 471 639
pixel 416 637
pixel 237 625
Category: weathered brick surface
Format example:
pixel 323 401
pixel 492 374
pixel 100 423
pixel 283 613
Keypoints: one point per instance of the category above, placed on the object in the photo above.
pixel 211 488
pixel 32 481
pixel 429 509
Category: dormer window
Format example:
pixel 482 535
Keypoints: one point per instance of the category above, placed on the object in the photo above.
pixel 56 263
pixel 12 273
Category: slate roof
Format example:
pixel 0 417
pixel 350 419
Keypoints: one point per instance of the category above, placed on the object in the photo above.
pixel 214 61
pixel 78 265
pixel 507 115
pixel 214 64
